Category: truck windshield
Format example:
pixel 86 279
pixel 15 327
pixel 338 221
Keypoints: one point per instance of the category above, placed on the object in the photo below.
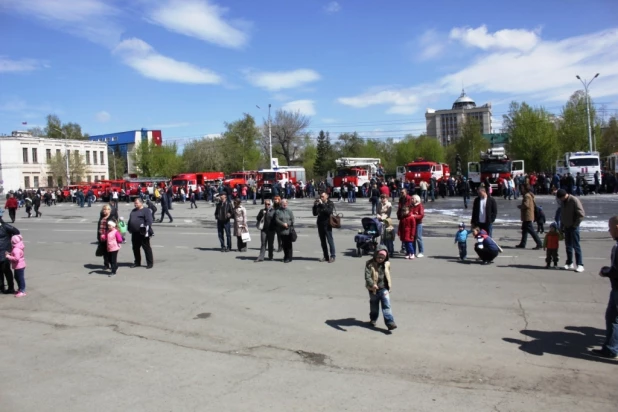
pixel 346 172
pixel 495 167
pixel 268 176
pixel 238 176
pixel 585 161
pixel 419 168
pixel 179 182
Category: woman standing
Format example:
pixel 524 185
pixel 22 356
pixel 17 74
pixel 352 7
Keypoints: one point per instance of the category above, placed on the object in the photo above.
pixel 384 208
pixel 374 198
pixel 285 220
pixel 418 211
pixel 106 214
pixel 240 224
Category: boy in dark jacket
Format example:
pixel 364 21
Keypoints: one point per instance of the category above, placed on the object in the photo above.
pixel 378 283
pixel 610 347
pixel 540 220
pixel 485 246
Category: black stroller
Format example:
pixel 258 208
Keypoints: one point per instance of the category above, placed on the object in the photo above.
pixel 367 239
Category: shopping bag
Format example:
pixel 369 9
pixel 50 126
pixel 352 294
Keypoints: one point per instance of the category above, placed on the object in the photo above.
pixel 246 237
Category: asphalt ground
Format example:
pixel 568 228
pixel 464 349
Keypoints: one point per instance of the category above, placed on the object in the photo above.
pixel 205 330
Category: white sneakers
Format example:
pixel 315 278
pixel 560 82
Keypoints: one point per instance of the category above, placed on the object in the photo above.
pixel 420 255
pixel 578 269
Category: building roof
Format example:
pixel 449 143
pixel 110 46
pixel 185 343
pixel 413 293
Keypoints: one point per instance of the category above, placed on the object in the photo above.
pixel 464 101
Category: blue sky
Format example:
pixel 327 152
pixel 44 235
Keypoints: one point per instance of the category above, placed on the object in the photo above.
pixel 187 66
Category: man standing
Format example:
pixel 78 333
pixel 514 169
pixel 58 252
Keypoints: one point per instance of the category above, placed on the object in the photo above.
pixel 6 232
pixel 323 209
pixel 527 207
pixel 465 190
pixel 432 188
pixel 11 204
pixel 572 214
pixel 139 225
pixel 484 211
pixel 267 226
pixel 223 214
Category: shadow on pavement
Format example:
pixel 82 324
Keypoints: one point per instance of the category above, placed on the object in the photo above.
pixel 208 249
pixel 349 322
pixel 523 266
pixel 574 342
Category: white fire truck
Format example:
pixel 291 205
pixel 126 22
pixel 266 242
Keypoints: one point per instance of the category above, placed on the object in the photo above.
pixel 584 163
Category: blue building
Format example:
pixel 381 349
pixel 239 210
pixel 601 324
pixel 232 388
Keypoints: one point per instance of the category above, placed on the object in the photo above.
pixel 124 143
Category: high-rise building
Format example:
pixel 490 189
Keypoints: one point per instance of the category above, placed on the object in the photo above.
pixel 447 125
pixel 125 143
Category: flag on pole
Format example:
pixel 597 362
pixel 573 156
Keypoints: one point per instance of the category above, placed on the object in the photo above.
pixel 24 123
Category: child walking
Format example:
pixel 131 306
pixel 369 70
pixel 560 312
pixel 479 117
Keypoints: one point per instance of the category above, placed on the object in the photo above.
pixel 113 239
pixel 407 231
pixel 551 243
pixel 18 262
pixel 540 220
pixel 461 238
pixel 378 283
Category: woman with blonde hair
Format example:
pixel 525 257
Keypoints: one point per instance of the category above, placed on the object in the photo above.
pixel 418 211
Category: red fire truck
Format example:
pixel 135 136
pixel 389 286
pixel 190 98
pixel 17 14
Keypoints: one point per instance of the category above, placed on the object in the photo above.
pixel 496 166
pixel 143 185
pixel 241 178
pixel 422 169
pixel 192 180
pixel 357 170
pixel 267 178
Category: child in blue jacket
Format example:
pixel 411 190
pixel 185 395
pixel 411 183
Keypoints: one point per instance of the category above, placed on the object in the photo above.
pixel 461 238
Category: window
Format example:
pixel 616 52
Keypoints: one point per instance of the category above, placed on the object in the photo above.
pixel 87 157
pixel 89 179
pixel 48 155
pixel 68 153
pixel 102 157
pixel 24 152
pixel 94 157
pixel 27 182
pixel 35 158
pixel 57 152
pixel 36 182
pixel 50 180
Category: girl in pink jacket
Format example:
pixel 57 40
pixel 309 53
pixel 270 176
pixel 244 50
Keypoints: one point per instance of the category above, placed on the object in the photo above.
pixel 114 239
pixel 18 262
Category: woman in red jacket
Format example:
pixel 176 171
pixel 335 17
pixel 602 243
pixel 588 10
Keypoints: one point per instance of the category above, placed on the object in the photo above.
pixel 407 229
pixel 418 211
pixel 11 204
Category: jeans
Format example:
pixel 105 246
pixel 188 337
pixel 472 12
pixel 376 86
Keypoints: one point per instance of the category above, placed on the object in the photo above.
pixel 268 240
pixel 326 235
pixel 224 226
pixel 381 296
pixel 409 247
pixel 349 196
pixel 374 206
pixel 20 279
pixel 165 212
pixel 424 195
pixel 419 238
pixel 89 201
pixel 571 241
pixel 463 250
pixel 432 194
pixel 138 241
pixel 526 227
pixel 12 211
pixel 611 323
pixel 487 227
pixel 466 196
pixel 390 246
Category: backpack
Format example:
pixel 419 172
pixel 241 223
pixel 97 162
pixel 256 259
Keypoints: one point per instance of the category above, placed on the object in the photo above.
pixel 122 227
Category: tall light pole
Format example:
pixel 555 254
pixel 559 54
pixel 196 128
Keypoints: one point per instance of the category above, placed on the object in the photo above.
pixel 270 136
pixel 586 85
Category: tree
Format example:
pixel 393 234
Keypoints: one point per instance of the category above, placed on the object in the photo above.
pixel 289 130
pixel 533 136
pixel 240 145
pixel 573 127
pixel 77 167
pixel 323 155
pixel 116 165
pixel 37 131
pixel 203 155
pixel 152 160
pixel 350 145
pixel 470 145
pixel 609 138
pixel 55 129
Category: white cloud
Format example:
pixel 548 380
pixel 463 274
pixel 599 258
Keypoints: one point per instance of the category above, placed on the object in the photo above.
pixel 103 116
pixel 200 19
pixel 332 7
pixel 544 73
pixel 518 39
pixel 17 66
pixel 90 19
pixel 142 57
pixel 306 107
pixel 212 136
pixel 432 45
pixel 275 81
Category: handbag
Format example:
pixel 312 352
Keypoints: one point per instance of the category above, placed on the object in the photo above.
pixel 101 249
pixel 335 219
pixel 260 224
pixel 293 234
pixel 245 236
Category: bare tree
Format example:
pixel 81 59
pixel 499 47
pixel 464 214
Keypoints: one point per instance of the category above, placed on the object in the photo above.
pixel 289 130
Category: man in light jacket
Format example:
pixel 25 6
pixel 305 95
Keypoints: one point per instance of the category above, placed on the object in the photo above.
pixel 572 214
pixel 527 208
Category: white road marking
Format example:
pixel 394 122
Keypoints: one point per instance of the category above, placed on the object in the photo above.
pixel 188 221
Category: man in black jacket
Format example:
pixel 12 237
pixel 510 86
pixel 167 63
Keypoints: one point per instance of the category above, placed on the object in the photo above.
pixel 6 232
pixel 267 233
pixel 323 208
pixel 484 211
pixel 140 227
pixel 223 214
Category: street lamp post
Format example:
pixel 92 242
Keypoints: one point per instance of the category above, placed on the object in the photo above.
pixel 586 85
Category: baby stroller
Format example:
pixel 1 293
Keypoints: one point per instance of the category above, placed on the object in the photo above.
pixel 367 239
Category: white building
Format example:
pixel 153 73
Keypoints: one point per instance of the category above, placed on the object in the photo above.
pixel 23 160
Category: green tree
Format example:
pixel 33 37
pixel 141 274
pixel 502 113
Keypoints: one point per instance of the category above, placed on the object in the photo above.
pixel 77 167
pixel 289 133
pixel 116 165
pixel 609 139
pixel 350 145
pixel 533 135
pixel 573 126
pixel 429 148
pixel 323 154
pixel 204 155
pixel 470 145
pixel 240 145
pixel 152 160
pixel 55 129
